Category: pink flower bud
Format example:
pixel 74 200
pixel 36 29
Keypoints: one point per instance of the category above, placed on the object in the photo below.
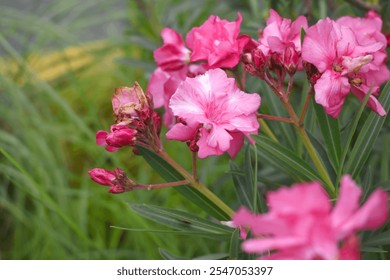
pixel 121 136
pixel 102 176
pixel 116 189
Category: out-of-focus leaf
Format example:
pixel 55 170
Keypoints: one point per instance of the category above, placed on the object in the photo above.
pixel 378 239
pixel 235 244
pixel 182 220
pixel 331 134
pixel 284 159
pixel 367 136
pixel 168 173
pixel 168 256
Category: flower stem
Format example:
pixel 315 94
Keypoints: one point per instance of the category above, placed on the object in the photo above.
pixel 197 185
pixel 267 130
pixel 274 118
pixel 160 186
pixel 310 149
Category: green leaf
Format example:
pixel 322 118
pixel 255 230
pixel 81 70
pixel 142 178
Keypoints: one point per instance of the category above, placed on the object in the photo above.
pixel 331 134
pixel 367 136
pixel 170 174
pixel 243 190
pixel 235 244
pixel 285 160
pixel 350 136
pixel 168 256
pixel 378 239
pixel 181 220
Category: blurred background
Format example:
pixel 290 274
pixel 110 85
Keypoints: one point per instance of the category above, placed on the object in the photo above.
pixel 59 64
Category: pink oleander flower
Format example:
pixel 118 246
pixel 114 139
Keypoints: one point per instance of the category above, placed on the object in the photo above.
pixel 281 34
pixel 116 180
pixel 301 223
pixel 218 42
pixel 344 65
pixel 173 55
pixel 213 114
pixel 163 84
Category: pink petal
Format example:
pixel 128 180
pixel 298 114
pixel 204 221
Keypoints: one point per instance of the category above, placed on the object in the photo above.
pixel 319 45
pixel 101 136
pixel 373 214
pixel 299 199
pixel 235 144
pixel 330 91
pixel 181 132
pixel 350 249
pixel 265 244
pixel 347 202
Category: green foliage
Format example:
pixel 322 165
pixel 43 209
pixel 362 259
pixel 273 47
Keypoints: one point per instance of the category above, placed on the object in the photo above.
pixel 56 80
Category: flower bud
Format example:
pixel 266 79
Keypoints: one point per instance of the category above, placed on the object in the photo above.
pixel 102 176
pixel 121 136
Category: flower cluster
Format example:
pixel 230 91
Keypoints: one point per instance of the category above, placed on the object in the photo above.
pixel 350 58
pixel 200 81
pixel 301 223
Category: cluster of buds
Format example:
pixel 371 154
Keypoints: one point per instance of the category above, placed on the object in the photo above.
pixel 116 180
pixel 135 121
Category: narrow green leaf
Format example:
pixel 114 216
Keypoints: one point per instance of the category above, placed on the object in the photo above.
pixel 168 256
pixel 180 220
pixel 285 160
pixel 323 154
pixel 331 134
pixel 350 136
pixel 367 136
pixel 378 239
pixel 168 173
pixel 243 190
pixel 235 244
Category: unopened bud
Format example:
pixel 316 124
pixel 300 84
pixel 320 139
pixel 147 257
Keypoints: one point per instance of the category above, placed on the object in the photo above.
pixel 116 189
pixel 102 176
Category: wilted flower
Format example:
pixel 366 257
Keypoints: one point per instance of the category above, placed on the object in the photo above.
pixel 301 223
pixel 213 114
pixel 135 121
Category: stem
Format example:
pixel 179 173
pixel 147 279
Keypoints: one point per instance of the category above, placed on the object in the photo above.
pixel 306 105
pixel 194 171
pixel 310 149
pixel 267 130
pixel 290 84
pixel 197 185
pixel 160 186
pixel 274 118
pixel 255 181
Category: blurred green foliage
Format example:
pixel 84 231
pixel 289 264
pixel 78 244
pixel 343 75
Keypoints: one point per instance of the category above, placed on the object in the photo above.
pixel 60 61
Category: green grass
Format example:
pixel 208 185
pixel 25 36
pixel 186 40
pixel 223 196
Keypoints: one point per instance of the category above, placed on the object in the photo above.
pixel 53 100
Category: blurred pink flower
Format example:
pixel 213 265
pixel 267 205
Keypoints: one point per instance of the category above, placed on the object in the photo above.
pixel 345 63
pixel 173 55
pixel 301 223
pixel 217 42
pixel 213 114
